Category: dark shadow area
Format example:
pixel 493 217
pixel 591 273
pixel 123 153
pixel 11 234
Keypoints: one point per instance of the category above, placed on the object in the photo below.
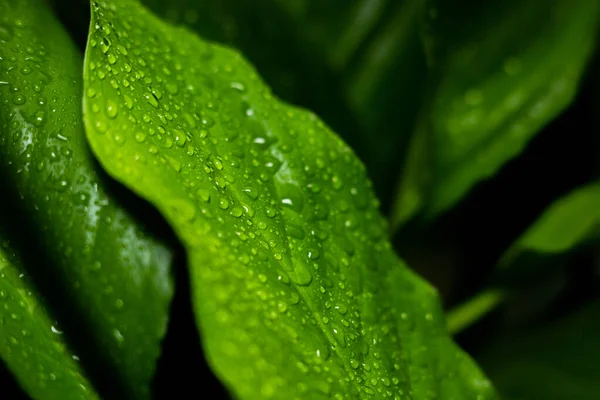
pixel 9 386
pixel 75 17
pixel 182 364
pixel 557 295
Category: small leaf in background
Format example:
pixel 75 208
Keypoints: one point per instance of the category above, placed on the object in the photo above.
pixel 32 344
pixel 567 225
pixel 297 292
pixel 104 274
pixel 500 71
pixel 558 361
pixel 359 64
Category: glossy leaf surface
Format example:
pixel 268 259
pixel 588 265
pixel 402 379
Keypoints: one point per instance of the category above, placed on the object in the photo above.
pixel 296 290
pixel 500 72
pixel 558 361
pixel 358 64
pixel 98 266
pixel 31 342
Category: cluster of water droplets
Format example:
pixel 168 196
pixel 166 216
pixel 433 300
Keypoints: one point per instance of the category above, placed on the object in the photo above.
pixel 275 210
pixel 96 247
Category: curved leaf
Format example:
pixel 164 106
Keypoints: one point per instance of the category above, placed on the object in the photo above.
pixel 32 344
pixel 359 64
pixel 97 266
pixel 296 290
pixel 567 223
pixel 556 362
pixel 570 222
pixel 502 71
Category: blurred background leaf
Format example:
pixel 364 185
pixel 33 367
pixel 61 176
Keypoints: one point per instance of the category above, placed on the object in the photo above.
pixel 500 72
pixel 571 223
pixel 32 344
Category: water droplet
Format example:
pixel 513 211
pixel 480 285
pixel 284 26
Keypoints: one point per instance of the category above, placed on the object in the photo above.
pixel 291 197
pixel 19 99
pixel 298 272
pixel 55 330
pixel 128 102
pixel 151 99
pixel 180 138
pixel 39 118
pixel 140 137
pixel 313 254
pixel 118 336
pixel 250 192
pixel 112 109
pixel 236 212
pixel 338 335
pixel 100 126
pixel 122 49
pixel 341 308
pixel 223 203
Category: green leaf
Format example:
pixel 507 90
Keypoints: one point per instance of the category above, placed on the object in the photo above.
pixel 104 273
pixel 556 362
pixel 297 292
pixel 32 345
pixel 269 36
pixel 500 72
pixel 569 223
pixel 359 64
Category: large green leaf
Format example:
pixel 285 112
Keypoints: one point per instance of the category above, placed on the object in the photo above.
pixel 357 63
pixel 271 39
pixel 32 343
pixel 296 290
pixel 558 361
pixel 568 224
pixel 500 72
pixel 101 270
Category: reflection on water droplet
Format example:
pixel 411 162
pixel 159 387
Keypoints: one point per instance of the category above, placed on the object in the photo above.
pixel 112 109
pixel 19 99
pixel 118 336
pixel 153 101
pixel 291 197
pixel 55 330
